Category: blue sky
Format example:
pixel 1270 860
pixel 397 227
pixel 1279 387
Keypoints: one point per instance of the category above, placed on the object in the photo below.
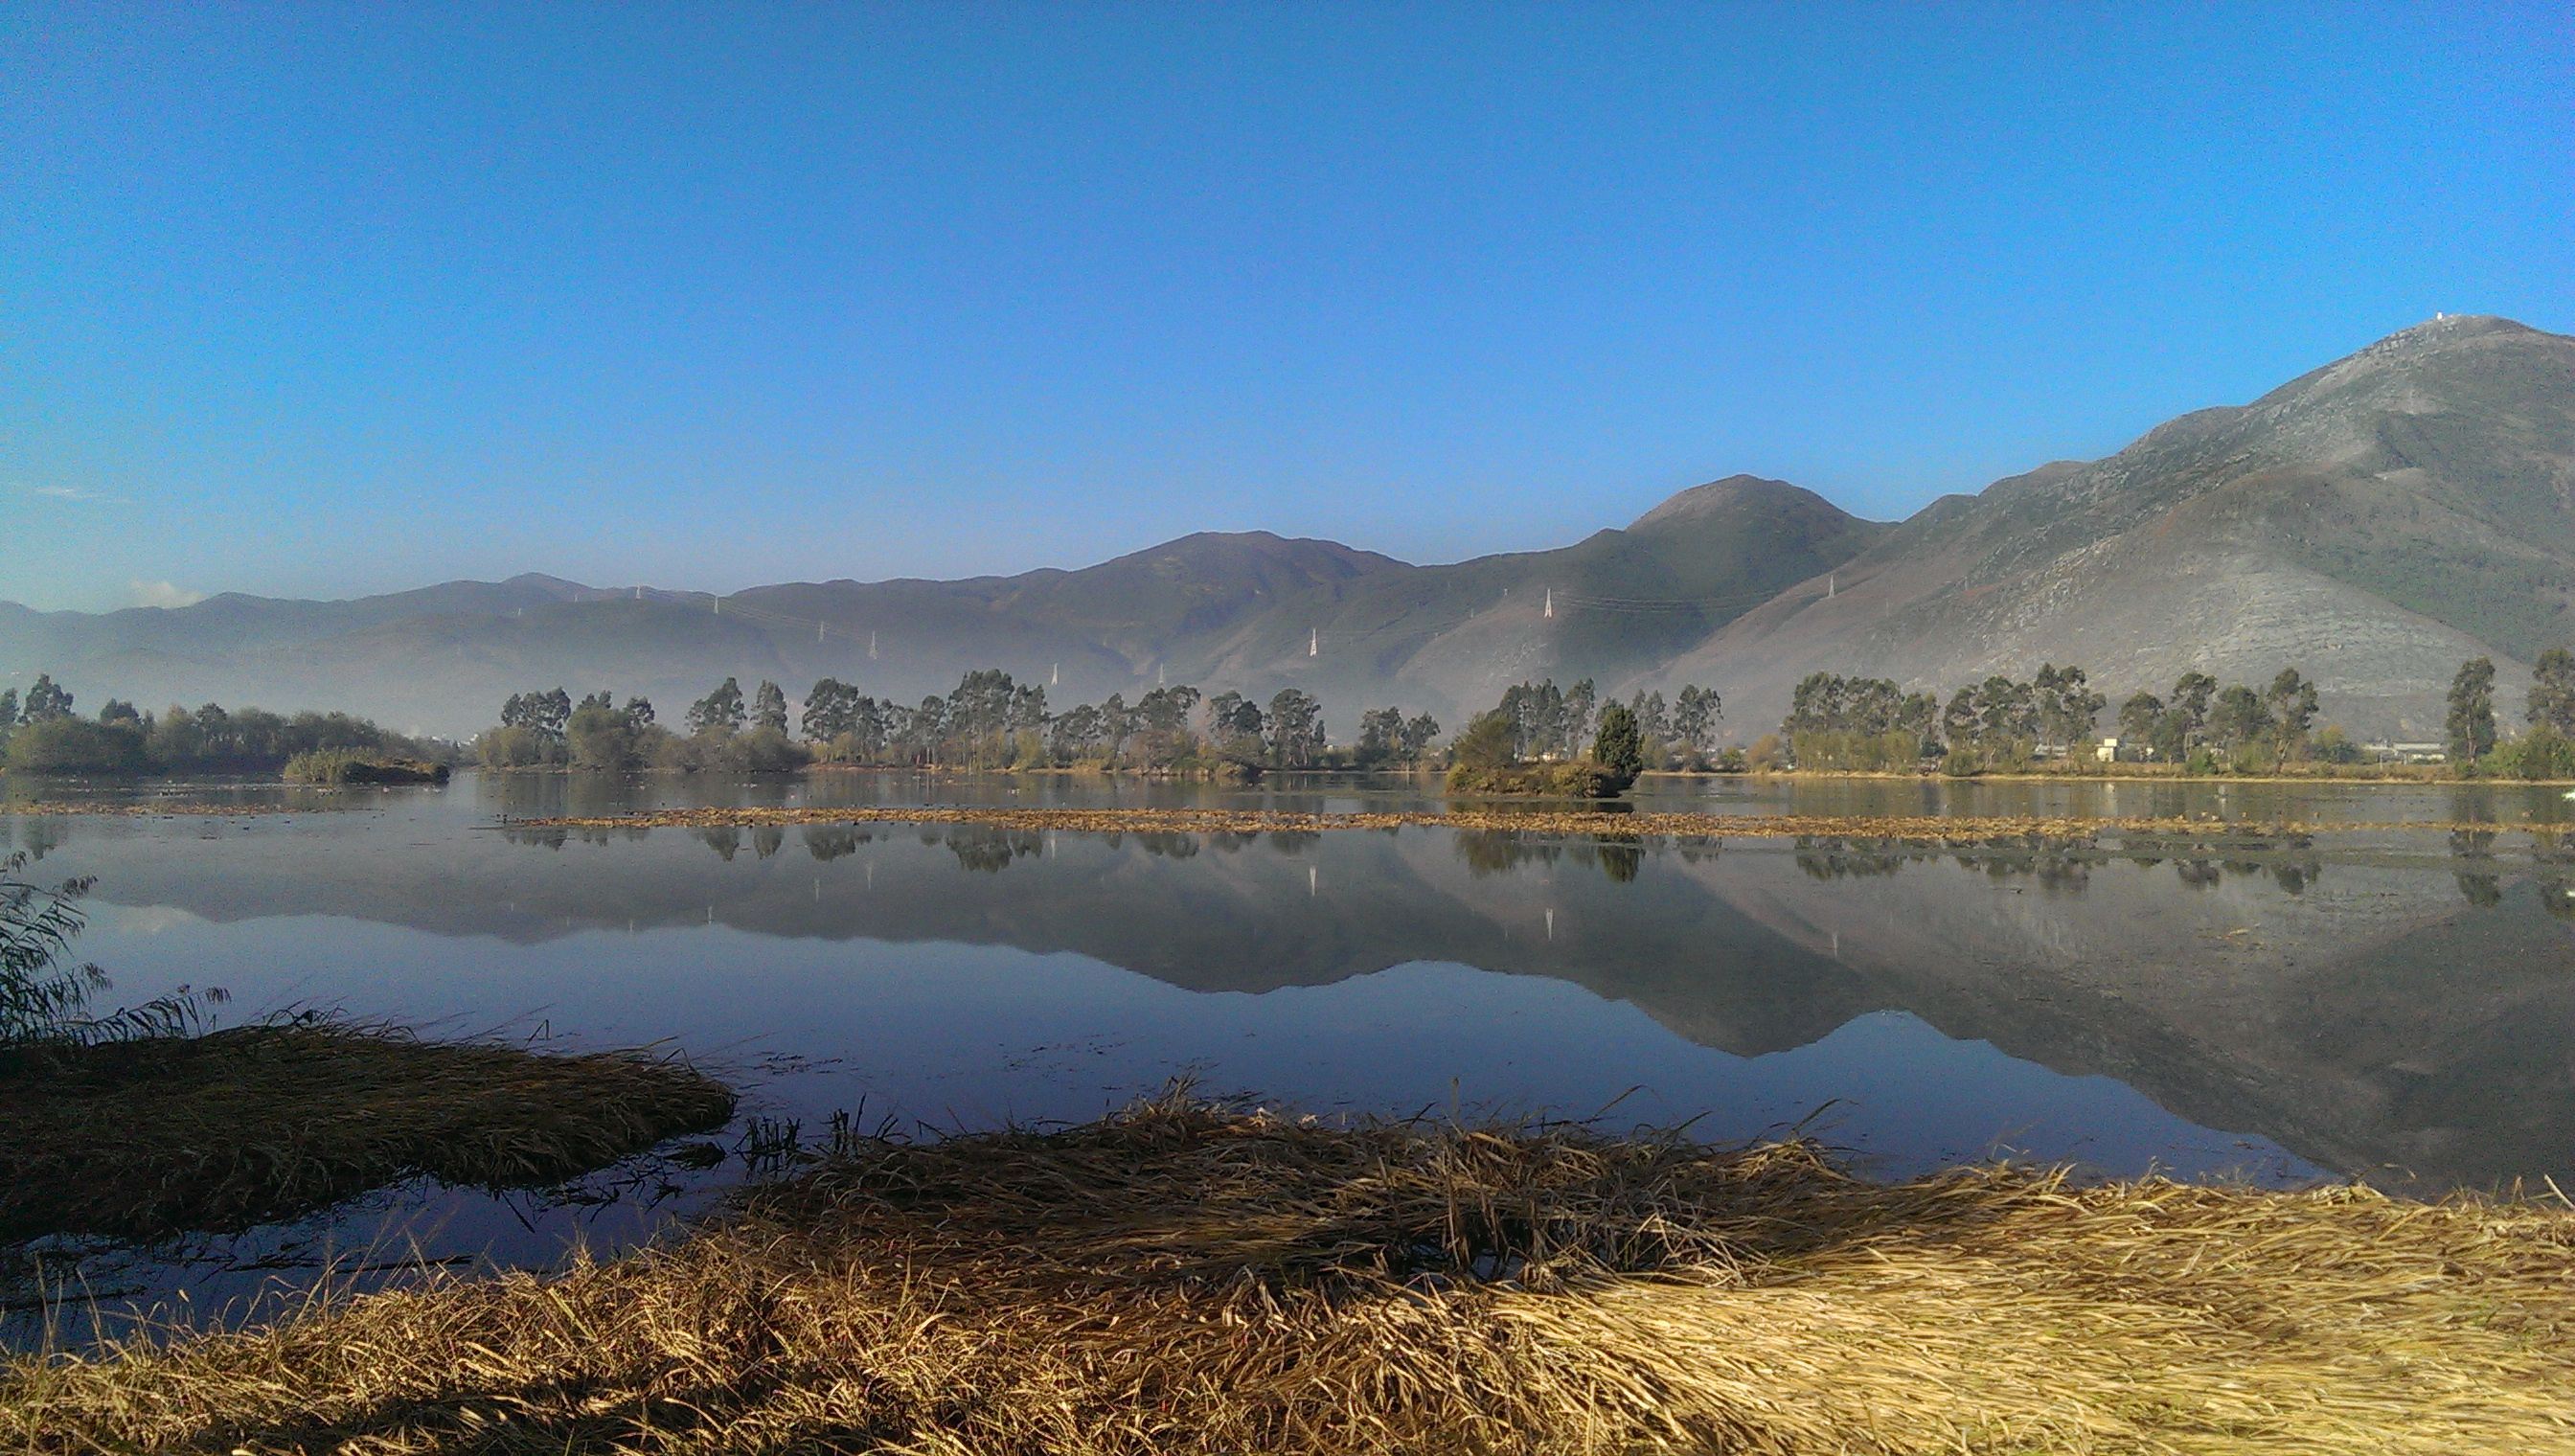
pixel 333 299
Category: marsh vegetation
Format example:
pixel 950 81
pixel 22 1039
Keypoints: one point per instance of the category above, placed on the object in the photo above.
pixel 1185 1277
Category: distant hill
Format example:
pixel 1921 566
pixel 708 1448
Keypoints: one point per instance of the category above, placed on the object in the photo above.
pixel 2373 523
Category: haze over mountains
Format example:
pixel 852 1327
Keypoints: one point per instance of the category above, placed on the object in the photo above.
pixel 2373 523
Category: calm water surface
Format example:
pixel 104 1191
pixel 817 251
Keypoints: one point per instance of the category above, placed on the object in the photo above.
pixel 2388 1004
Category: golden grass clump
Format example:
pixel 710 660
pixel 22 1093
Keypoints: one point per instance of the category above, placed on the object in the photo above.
pixel 143 1137
pixel 1183 1278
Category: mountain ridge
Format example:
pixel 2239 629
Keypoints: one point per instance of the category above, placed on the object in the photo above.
pixel 2373 522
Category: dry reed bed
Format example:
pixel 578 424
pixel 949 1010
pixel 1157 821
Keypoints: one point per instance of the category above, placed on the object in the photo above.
pixel 147 1137
pixel 1182 1278
pixel 1925 829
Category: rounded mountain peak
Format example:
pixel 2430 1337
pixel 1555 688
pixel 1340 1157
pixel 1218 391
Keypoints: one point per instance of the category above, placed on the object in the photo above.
pixel 1736 492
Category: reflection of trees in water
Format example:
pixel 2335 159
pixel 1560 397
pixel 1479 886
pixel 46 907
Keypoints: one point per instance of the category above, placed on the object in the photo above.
pixel 992 850
pixel 1497 851
pixel 1834 857
pixel 2472 851
pixel 1168 844
pixel 2058 870
pixel 2554 848
pixel 833 842
pixel 725 839
pixel 768 839
pixel 39 836
pixel 1619 857
pixel 2291 872
pixel 1294 842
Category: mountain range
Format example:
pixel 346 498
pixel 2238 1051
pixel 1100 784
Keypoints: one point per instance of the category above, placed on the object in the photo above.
pixel 2373 523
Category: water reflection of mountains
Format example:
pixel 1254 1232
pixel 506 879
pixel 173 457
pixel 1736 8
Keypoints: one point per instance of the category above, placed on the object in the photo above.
pixel 2369 1015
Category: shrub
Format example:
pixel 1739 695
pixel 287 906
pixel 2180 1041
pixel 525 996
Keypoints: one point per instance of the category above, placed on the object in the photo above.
pixel 343 765
pixel 520 747
pixel 2541 754
pixel 1620 747
pixel 1580 778
pixel 77 745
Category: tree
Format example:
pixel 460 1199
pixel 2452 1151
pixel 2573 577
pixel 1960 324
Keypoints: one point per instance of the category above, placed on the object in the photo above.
pixel 1233 718
pixel 2471 724
pixel 2190 695
pixel 1117 725
pixel 1653 718
pixel 831 710
pixel 2552 691
pixel 1490 741
pixel 46 701
pixel 1958 723
pixel 2066 706
pixel 599 737
pixel 1419 731
pixel 720 712
pixel 2139 717
pixel 2240 718
pixel 542 713
pixel 2292 701
pixel 1695 714
pixel 1076 732
pixel 1573 714
pixel 1295 729
pixel 769 709
pixel 1381 734
pixel 1621 748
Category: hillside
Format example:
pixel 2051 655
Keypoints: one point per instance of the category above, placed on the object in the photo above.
pixel 2372 523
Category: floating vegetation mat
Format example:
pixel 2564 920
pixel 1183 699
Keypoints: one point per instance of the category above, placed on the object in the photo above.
pixel 1183 1278
pixel 144 809
pixel 1919 828
pixel 146 1137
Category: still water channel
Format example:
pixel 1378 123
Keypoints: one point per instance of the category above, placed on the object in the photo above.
pixel 2385 1002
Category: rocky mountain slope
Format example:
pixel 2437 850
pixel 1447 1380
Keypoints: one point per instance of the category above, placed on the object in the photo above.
pixel 2373 523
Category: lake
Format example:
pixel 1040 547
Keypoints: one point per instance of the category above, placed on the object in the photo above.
pixel 2384 1003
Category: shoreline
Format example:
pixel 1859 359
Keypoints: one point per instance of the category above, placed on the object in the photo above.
pixel 1925 829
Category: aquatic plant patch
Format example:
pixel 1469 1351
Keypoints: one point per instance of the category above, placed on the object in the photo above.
pixel 141 1137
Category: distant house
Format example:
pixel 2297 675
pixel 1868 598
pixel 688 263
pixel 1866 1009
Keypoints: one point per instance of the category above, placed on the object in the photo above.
pixel 2108 752
pixel 2414 752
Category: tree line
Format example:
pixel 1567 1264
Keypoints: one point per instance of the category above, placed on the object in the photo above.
pixel 989 720
pixel 1872 724
pixel 43 733
pixel 1534 741
pixel 2546 747
pixel 1546 722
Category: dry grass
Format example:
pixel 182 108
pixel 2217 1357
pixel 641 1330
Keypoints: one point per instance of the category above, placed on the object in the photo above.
pixel 1912 829
pixel 1188 1279
pixel 145 1137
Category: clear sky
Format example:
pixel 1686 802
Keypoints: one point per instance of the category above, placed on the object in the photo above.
pixel 330 299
